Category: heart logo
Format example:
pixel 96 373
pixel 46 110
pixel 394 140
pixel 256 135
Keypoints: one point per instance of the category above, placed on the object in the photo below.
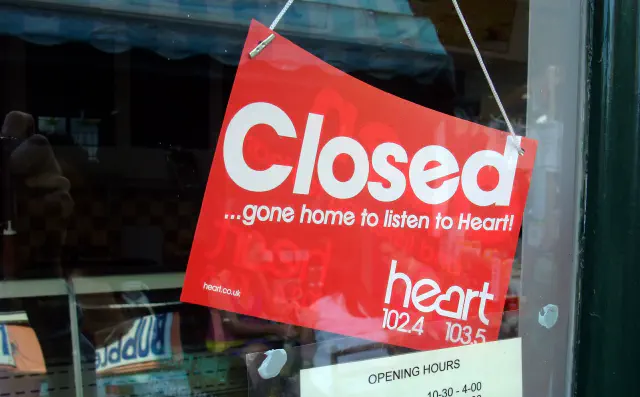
pixel 447 298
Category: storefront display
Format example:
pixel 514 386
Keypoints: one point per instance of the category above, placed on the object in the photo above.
pixel 334 214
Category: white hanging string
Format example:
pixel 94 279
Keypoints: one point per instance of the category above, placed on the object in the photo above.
pixel 487 76
pixel 284 10
pixel 280 15
pixel 264 43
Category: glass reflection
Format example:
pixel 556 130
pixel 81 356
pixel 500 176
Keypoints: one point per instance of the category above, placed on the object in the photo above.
pixel 126 112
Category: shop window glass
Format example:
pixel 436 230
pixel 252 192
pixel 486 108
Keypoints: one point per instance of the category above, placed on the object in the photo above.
pixel 130 98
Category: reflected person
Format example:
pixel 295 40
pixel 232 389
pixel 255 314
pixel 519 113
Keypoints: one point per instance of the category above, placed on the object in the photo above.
pixel 38 184
pixel 34 187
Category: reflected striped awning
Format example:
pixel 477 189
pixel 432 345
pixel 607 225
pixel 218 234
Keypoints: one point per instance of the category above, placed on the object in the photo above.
pixel 375 35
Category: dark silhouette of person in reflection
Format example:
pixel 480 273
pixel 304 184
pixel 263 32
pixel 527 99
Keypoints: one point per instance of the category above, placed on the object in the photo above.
pixel 38 186
pixel 36 207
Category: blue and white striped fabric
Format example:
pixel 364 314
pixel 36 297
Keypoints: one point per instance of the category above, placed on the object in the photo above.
pixel 374 35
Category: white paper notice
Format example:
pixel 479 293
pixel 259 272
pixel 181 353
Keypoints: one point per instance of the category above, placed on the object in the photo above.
pixel 483 370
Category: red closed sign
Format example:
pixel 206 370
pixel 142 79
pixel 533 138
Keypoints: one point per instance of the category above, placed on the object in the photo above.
pixel 336 206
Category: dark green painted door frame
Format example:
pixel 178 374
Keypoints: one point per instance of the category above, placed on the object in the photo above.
pixel 608 338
